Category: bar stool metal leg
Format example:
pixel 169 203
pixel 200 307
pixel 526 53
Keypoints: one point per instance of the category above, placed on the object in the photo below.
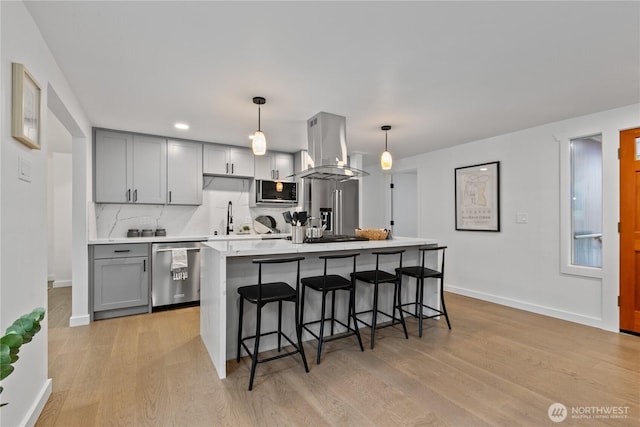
pixel 444 307
pixel 398 288
pixel 279 325
pixel 374 315
pixel 321 336
pixel 240 329
pixel 256 347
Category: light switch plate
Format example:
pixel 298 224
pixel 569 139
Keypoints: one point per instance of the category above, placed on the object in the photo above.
pixel 522 218
pixel 24 169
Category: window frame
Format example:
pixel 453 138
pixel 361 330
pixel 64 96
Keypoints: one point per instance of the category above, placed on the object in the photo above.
pixel 566 229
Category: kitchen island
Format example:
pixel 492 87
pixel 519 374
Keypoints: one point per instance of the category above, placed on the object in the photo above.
pixel 227 265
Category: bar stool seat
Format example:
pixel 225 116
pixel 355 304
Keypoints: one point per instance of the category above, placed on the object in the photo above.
pixel 370 276
pixel 271 292
pixel 420 273
pixel 333 282
pixel 330 283
pixel 377 277
pixel 261 294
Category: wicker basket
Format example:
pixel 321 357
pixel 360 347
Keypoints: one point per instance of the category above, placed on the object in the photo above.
pixel 372 233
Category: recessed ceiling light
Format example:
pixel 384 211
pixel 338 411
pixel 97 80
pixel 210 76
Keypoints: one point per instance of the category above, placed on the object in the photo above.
pixel 484 169
pixel 181 126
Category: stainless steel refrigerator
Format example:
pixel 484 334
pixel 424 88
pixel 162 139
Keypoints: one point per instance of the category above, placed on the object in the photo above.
pixel 335 203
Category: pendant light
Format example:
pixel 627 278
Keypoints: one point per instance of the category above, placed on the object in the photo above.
pixel 259 142
pixel 385 159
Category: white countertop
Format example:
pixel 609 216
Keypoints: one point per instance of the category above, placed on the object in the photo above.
pixel 281 246
pixel 158 239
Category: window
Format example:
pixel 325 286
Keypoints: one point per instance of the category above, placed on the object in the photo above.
pixel 586 201
pixel 581 206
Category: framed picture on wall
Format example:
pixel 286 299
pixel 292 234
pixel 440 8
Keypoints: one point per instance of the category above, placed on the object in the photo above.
pixel 478 197
pixel 25 107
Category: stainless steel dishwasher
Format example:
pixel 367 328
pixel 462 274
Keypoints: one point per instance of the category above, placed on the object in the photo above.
pixel 166 291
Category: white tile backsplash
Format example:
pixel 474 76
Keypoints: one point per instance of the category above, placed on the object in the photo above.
pixel 113 220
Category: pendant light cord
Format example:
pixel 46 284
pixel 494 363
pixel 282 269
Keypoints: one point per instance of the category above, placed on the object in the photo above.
pixel 259 118
pixel 385 140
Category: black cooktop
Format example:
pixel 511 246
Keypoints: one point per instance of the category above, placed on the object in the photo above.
pixel 335 239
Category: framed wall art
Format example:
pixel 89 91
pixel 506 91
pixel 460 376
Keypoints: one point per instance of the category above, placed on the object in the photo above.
pixel 478 197
pixel 25 107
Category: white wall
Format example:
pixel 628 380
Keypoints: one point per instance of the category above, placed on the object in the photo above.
pixel 59 202
pixel 23 213
pixel 62 174
pixel 520 265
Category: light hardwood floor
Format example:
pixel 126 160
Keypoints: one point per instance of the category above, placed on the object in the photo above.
pixel 497 367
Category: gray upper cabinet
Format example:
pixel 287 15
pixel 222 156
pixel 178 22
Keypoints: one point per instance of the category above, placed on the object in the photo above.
pixel 130 168
pixel 184 172
pixel 113 166
pixel 149 169
pixel 274 166
pixel 228 161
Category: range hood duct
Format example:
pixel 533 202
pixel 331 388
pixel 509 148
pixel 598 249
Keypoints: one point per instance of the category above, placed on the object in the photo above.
pixel 327 150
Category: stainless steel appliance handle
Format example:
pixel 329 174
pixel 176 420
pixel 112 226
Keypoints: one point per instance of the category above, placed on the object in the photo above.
pixel 170 249
pixel 337 212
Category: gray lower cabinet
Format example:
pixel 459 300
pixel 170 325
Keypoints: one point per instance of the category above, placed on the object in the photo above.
pixel 120 276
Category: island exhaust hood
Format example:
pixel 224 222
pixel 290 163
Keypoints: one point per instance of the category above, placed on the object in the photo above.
pixel 327 150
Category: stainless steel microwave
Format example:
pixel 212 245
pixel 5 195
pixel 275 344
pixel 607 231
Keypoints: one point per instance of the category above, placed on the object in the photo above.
pixel 276 192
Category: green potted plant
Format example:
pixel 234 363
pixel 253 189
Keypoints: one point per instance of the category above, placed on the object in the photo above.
pixel 20 332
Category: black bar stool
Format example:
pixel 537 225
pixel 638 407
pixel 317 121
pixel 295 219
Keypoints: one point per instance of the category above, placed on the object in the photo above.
pixel 331 283
pixel 265 293
pixel 420 273
pixel 377 277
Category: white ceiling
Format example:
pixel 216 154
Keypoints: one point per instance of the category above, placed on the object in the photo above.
pixel 441 73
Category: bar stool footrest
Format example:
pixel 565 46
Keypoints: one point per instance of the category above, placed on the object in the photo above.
pixel 412 313
pixel 349 331
pixel 250 353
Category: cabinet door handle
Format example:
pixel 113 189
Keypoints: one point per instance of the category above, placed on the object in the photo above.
pixel 169 196
pixel 271 173
pixel 135 195
pixel 122 250
pixel 128 195
pixel 277 174
pixel 231 168
pixel 227 171
pixel 144 265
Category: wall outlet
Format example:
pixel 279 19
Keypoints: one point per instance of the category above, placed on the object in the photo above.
pixel 522 218
pixel 144 220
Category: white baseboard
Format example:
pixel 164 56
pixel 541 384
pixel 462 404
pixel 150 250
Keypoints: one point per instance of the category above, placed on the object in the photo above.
pixel 79 320
pixel 61 283
pixel 51 277
pixel 534 308
pixel 38 405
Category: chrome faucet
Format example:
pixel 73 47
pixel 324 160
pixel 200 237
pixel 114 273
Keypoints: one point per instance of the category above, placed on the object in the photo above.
pixel 229 218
